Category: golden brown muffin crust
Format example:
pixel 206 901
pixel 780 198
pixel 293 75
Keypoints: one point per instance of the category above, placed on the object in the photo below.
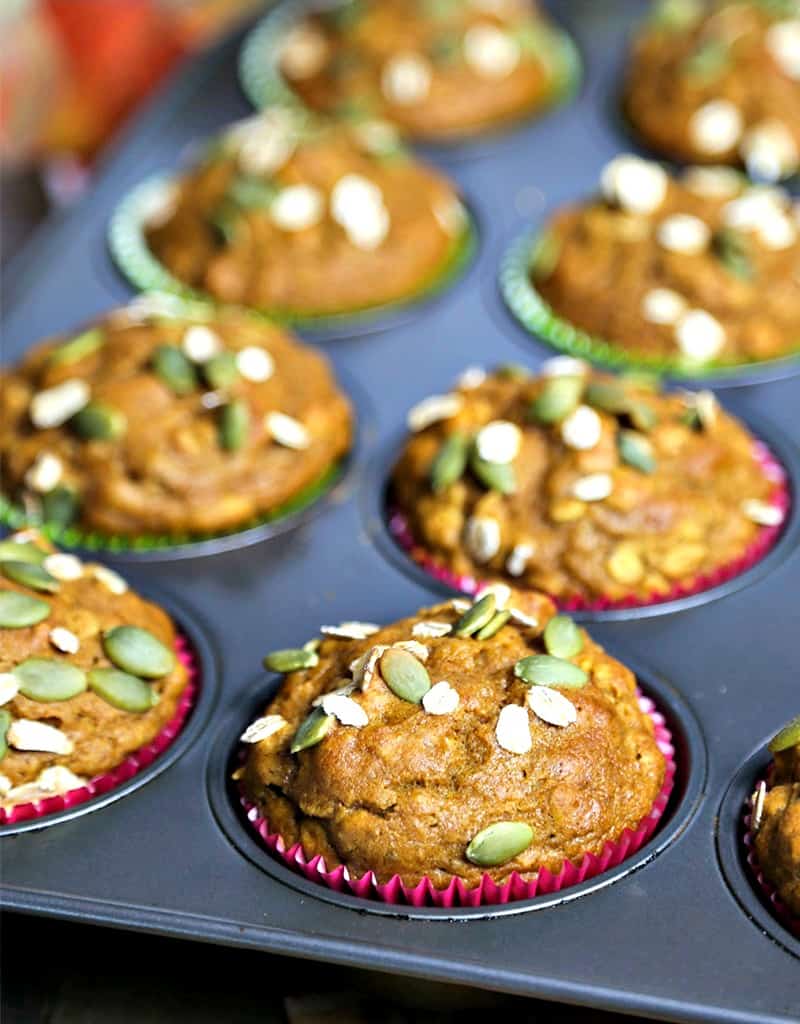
pixel 778 837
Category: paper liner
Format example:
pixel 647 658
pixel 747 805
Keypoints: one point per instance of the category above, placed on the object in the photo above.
pixel 487 892
pixel 264 84
pixel 538 317
pixel 133 763
pixel 765 540
pixel 768 890
pixel 128 244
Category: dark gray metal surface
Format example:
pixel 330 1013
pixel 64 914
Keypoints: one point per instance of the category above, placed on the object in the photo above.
pixel 669 940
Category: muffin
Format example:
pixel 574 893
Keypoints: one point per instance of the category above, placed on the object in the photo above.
pixel 699 270
pixel 583 485
pixel 307 219
pixel 777 819
pixel 88 671
pixel 466 739
pixel 719 82
pixel 439 71
pixel 147 425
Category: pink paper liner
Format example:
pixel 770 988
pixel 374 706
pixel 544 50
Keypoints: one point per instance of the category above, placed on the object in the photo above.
pixel 768 890
pixel 487 892
pixel 765 540
pixel 133 763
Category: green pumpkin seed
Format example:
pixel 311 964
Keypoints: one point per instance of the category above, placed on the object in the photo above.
pixel 545 670
pixel 226 219
pixel 234 425
pixel 5 725
pixel 311 730
pixel 496 476
pixel 562 638
pixel 512 371
pixel 175 369
pixel 291 659
pixel 708 61
pixel 25 551
pixel 545 256
pixel 60 506
pixel 449 463
pixel 789 736
pixel 405 675
pixel 642 415
pixel 733 251
pixel 609 396
pixel 557 399
pixel 99 422
pixel 494 625
pixel 499 843
pixel 252 193
pixel 221 371
pixel 27 574
pixel 636 450
pixel 475 618
pixel 121 690
pixel 137 651
pixel 48 680
pixel 20 610
pixel 78 348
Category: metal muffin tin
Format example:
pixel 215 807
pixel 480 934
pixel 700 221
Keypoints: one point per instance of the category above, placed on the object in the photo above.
pixel 677 933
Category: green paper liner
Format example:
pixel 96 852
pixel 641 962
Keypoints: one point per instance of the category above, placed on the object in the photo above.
pixel 538 317
pixel 264 85
pixel 15 518
pixel 133 256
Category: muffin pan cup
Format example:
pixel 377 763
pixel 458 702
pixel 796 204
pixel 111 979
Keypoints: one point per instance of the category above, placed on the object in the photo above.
pixel 176 855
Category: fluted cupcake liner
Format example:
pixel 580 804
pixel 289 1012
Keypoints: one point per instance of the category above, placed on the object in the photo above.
pixel 538 317
pixel 767 889
pixel 487 892
pixel 128 244
pixel 127 769
pixel 767 537
pixel 264 84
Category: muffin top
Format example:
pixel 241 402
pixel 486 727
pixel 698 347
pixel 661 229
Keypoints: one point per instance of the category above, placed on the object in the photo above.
pixel 145 423
pixel 719 82
pixel 88 671
pixel 777 818
pixel 438 70
pixel 299 216
pixel 701 268
pixel 464 739
pixel 580 484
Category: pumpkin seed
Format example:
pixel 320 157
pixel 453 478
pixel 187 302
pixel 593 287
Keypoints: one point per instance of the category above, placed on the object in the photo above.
pixel 175 369
pixel 642 415
pixel 449 463
pixel 497 476
pixel 77 348
pixel 60 506
pixel 252 193
pixel 545 256
pixel 20 610
pixel 546 670
pixel 733 251
pixel 48 680
pixel 476 617
pixel 137 651
pixel 121 690
pixel 99 422
pixel 26 551
pixel 562 638
pixel 221 371
pixel 291 660
pixel 27 574
pixel 636 450
pixel 312 730
pixel 499 843
pixel 559 397
pixel 405 675
pixel 789 736
pixel 5 724
pixel 234 425
pixel 494 625
pixel 709 60
pixel 608 396
pixel 512 371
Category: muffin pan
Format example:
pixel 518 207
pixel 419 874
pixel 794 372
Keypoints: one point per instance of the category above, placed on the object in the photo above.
pixel 174 857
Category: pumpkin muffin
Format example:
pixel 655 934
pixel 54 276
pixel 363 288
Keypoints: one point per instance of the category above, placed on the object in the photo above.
pixel 88 671
pixel 777 819
pixel 582 485
pixel 307 218
pixel 464 739
pixel 144 424
pixel 699 269
pixel 439 71
pixel 719 82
